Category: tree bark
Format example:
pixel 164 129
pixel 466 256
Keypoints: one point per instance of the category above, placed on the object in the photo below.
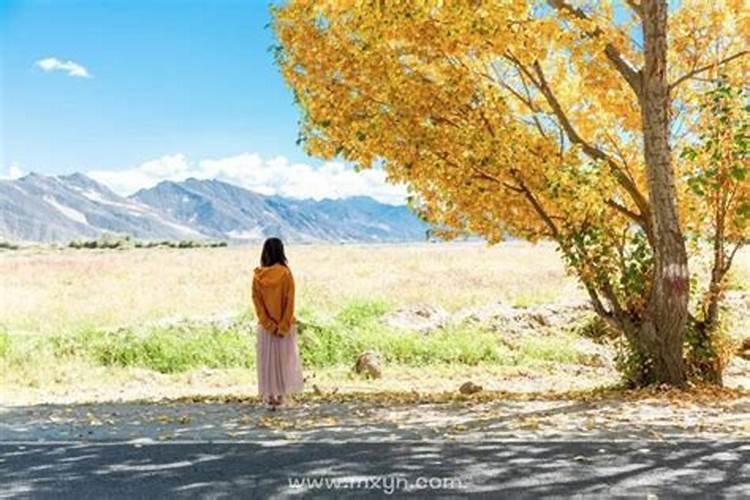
pixel 717 271
pixel 707 361
pixel 665 323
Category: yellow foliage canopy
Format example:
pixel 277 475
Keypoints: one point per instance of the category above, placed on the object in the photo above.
pixel 503 117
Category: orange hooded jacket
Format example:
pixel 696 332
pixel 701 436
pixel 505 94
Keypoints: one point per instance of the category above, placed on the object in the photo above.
pixel 273 297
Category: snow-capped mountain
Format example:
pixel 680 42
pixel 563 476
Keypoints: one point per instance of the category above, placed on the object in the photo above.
pixel 46 208
pixel 225 211
pixel 62 208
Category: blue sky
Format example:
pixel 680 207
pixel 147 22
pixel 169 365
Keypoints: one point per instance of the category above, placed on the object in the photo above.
pixel 173 87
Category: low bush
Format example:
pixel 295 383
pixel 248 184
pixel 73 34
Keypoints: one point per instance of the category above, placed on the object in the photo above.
pixel 116 242
pixel 106 241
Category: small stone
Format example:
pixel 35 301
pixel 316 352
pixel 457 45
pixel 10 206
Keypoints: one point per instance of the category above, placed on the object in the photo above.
pixel 469 388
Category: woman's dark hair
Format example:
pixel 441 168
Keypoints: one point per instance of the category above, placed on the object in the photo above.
pixel 273 253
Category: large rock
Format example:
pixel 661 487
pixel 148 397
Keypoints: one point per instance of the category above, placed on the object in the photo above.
pixel 368 364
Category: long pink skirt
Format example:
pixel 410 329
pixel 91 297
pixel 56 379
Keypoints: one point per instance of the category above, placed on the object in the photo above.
pixel 278 363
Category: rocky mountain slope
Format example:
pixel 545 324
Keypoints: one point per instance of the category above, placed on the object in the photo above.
pixel 222 210
pixel 45 208
pixel 63 208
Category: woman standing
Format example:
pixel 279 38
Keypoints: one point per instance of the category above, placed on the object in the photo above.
pixel 278 361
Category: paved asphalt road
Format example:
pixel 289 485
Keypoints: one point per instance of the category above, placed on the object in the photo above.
pixel 505 469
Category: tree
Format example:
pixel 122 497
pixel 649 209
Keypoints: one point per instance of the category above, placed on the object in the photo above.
pixel 554 119
pixel 717 174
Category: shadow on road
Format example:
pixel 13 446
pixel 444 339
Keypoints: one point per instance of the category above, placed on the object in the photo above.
pixel 527 449
pixel 378 420
pixel 513 469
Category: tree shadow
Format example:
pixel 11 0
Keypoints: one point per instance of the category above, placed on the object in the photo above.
pixel 219 450
pixel 534 469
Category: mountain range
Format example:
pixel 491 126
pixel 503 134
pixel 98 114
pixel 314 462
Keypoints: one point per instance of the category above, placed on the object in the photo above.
pixel 63 208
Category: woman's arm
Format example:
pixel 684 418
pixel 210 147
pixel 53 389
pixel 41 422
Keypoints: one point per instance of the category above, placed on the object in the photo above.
pixel 287 317
pixel 260 309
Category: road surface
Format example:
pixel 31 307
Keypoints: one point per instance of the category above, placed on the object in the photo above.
pixel 501 469
pixel 496 449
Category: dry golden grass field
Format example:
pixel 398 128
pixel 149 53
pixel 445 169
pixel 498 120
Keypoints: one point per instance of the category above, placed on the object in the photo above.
pixel 52 300
pixel 46 291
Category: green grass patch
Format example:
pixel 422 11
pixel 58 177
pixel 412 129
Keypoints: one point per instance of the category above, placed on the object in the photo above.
pixel 164 349
pixel 337 343
pixel 358 328
pixel 548 349
pixel 4 343
pixel 324 342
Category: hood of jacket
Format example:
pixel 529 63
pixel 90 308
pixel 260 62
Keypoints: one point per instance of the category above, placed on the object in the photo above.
pixel 271 275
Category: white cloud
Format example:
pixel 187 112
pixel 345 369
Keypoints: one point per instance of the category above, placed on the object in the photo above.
pixel 14 171
pixel 277 176
pixel 70 67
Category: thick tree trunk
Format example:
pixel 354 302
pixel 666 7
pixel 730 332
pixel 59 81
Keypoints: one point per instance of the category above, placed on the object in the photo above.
pixel 665 323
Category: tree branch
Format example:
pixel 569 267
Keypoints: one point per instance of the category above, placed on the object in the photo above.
pixel 592 151
pixel 631 75
pixel 541 212
pixel 637 8
pixel 707 67
pixel 730 258
pixel 557 109
pixel 479 173
pixel 614 320
pixel 635 217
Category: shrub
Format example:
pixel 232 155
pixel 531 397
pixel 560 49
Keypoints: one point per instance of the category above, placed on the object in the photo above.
pixel 106 241
pixel 596 329
pixel 112 242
